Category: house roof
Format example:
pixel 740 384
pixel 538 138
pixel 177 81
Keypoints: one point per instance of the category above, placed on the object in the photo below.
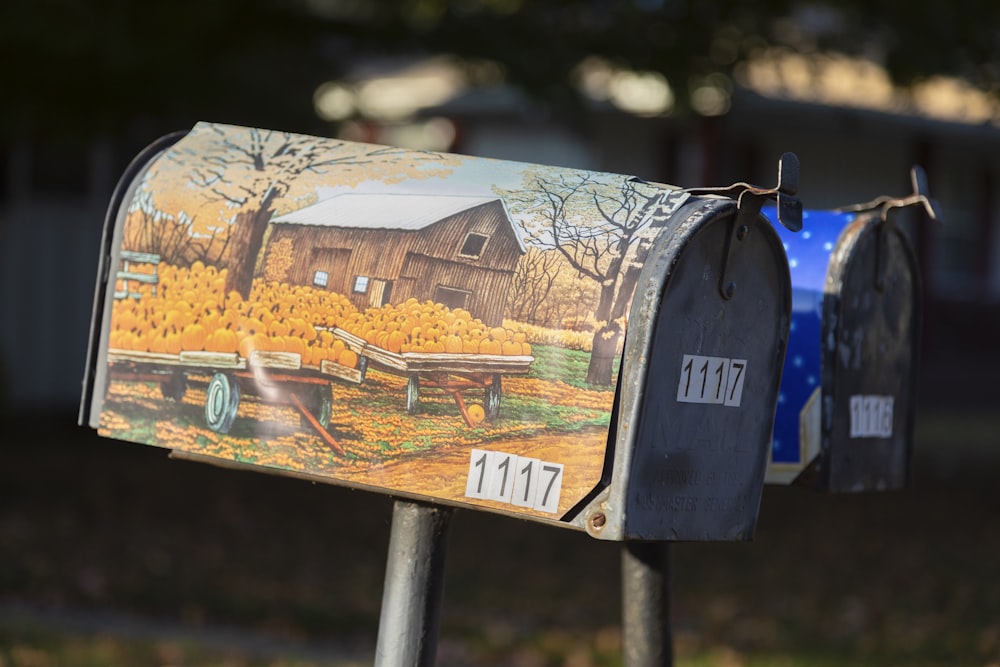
pixel 357 210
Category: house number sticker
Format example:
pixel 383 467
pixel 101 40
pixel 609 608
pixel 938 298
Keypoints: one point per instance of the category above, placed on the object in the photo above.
pixel 516 480
pixel 711 380
pixel 871 416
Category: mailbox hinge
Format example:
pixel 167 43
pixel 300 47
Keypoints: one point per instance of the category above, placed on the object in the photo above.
pixel 886 205
pixel 749 200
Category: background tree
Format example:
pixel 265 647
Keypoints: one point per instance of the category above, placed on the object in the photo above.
pixel 534 278
pixel 602 225
pixel 547 291
pixel 150 230
pixel 86 58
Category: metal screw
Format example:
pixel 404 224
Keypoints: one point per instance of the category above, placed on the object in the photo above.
pixel 598 520
pixel 742 232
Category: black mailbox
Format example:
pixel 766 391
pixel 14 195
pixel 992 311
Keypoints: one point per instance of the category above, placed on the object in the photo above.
pixel 846 408
pixel 582 349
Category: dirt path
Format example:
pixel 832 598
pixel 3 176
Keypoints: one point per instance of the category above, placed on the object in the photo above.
pixel 443 473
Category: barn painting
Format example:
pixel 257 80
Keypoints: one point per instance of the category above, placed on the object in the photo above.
pixel 353 313
pixel 457 250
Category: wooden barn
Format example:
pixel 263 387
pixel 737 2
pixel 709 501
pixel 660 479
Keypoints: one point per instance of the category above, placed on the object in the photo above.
pixel 457 250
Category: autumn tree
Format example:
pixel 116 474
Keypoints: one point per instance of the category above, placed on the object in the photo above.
pixel 603 226
pixel 256 173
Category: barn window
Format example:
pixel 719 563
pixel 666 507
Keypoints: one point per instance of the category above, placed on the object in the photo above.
pixel 321 278
pixel 360 284
pixel 474 244
pixel 451 297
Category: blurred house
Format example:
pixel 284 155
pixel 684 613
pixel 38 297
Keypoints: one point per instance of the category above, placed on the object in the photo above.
pixel 852 149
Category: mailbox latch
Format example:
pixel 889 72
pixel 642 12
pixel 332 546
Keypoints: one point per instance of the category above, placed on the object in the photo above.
pixel 749 200
pixel 886 205
pixel 752 197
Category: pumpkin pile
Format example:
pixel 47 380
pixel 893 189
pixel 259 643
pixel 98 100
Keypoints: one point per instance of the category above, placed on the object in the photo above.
pixel 190 311
pixel 415 326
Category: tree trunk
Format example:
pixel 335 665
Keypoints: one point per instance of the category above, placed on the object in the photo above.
pixel 246 239
pixel 602 349
pixel 602 354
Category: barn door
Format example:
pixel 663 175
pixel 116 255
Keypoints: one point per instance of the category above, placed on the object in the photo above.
pixel 380 292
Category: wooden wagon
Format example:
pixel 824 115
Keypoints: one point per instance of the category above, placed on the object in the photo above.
pixel 274 377
pixel 451 374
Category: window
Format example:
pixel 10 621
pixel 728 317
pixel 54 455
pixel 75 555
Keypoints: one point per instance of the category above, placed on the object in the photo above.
pixel 452 297
pixel 321 278
pixel 474 244
pixel 360 284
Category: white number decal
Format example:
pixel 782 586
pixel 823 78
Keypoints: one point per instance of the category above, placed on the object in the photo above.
pixel 711 380
pixel 517 480
pixel 480 468
pixel 526 482
pixel 871 416
pixel 502 482
pixel 548 489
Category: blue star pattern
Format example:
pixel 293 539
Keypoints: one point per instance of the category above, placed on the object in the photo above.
pixel 808 259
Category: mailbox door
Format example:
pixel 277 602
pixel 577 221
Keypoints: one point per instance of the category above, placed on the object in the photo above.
pixel 710 343
pixel 871 319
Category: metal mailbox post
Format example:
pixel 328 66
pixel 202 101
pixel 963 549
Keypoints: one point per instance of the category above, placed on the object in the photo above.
pixel 363 289
pixel 845 412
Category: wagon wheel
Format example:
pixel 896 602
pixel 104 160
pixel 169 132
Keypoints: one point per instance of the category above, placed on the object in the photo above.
pixel 222 398
pixel 491 399
pixel 174 386
pixel 318 399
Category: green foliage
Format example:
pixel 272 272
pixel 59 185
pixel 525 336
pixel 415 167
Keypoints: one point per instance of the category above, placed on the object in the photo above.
pixel 81 68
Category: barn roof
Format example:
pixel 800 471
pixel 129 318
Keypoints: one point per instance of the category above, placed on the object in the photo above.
pixel 360 210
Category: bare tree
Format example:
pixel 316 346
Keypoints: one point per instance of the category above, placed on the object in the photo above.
pixel 534 278
pixel 150 230
pixel 603 226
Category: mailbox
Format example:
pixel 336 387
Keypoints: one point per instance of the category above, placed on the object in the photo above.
pixel 846 407
pixel 582 349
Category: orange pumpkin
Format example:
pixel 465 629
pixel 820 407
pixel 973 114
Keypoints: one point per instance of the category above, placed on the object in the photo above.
pixel 222 340
pixel 193 337
pixel 452 344
pixel 295 345
pixel 394 341
pixel 348 358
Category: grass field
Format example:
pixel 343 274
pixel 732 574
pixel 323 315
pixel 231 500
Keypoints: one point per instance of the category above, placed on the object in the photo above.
pixel 112 554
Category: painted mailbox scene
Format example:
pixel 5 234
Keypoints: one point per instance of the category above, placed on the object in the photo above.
pixel 429 324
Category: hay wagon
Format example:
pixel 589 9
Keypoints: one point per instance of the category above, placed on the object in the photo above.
pixel 273 377
pixel 450 374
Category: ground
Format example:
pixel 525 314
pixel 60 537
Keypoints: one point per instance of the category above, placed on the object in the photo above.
pixel 112 553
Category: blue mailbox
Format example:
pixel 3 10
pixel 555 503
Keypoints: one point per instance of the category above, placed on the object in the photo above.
pixel 845 409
